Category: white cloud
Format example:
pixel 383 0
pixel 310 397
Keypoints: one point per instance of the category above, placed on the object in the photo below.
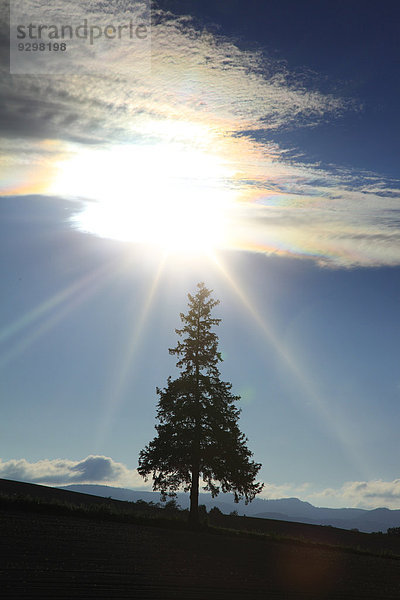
pixel 92 469
pixel 352 494
pixel 361 494
pixel 272 491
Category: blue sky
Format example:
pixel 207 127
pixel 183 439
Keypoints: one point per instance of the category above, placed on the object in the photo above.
pixel 259 155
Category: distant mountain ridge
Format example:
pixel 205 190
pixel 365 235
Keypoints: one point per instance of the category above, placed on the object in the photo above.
pixel 284 509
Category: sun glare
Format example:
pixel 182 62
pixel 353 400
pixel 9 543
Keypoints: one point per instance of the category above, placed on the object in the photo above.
pixel 166 194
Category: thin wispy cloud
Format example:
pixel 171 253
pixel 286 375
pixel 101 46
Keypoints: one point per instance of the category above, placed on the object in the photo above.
pixel 205 95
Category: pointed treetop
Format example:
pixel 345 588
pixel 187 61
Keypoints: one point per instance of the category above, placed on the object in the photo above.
pixel 198 350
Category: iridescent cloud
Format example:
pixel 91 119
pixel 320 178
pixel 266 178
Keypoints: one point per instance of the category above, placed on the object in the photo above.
pixel 207 100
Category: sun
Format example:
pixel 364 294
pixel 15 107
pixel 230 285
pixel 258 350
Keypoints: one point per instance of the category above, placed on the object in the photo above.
pixel 164 195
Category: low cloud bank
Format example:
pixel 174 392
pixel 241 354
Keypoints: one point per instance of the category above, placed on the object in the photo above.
pixel 92 469
pixel 361 494
pixel 352 494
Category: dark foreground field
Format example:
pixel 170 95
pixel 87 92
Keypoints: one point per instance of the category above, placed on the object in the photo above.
pixel 56 556
pixel 48 556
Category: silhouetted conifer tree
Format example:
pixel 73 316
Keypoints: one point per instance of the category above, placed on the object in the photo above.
pixel 198 435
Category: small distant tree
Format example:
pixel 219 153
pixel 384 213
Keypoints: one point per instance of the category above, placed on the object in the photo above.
pixel 198 435
pixel 172 506
pixel 393 531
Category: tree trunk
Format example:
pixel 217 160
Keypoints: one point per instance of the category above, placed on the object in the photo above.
pixel 194 498
pixel 194 489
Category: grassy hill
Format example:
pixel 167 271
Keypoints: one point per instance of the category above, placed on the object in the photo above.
pixel 68 554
